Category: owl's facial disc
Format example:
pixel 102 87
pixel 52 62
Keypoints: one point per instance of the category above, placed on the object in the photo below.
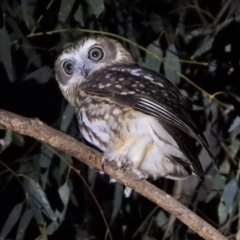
pixel 82 58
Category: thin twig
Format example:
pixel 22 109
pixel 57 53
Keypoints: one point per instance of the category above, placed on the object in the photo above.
pixel 40 131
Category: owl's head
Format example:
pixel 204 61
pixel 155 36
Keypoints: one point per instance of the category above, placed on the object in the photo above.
pixel 83 57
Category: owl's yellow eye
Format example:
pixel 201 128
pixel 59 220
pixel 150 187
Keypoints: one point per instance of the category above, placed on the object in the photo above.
pixel 95 54
pixel 68 67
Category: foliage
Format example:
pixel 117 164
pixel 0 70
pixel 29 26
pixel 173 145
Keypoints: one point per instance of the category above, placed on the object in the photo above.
pixel 194 43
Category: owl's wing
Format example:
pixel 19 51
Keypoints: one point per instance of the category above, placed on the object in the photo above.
pixel 147 92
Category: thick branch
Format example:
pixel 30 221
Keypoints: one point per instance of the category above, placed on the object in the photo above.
pixel 40 131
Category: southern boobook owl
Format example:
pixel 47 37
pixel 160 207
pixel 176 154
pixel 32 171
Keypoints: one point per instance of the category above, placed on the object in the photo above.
pixel 136 116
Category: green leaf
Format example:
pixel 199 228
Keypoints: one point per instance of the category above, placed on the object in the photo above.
pixel 5 54
pixel 67 117
pixel 227 201
pixel 41 75
pixel 11 221
pixel 172 60
pixel 24 222
pixel 152 62
pixel 25 12
pixel 117 201
pixel 65 9
pixel 97 6
pixel 161 219
pixel 78 15
pixel 35 191
pixel 64 193
pixel 235 124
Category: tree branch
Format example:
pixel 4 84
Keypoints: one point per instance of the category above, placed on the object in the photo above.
pixel 40 131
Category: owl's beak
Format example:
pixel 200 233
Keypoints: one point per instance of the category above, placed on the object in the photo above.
pixel 83 70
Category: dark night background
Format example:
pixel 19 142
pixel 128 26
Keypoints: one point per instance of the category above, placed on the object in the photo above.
pixel 200 39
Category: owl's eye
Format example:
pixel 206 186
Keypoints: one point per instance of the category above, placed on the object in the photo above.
pixel 68 67
pixel 95 54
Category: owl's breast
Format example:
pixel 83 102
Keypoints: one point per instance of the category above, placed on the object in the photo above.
pixel 102 123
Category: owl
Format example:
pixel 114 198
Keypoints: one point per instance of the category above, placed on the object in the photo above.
pixel 135 116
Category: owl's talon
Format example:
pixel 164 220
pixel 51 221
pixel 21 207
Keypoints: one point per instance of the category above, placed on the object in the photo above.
pixel 141 175
pixel 104 160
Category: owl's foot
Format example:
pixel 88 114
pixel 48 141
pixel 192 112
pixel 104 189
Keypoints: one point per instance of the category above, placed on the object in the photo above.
pixel 122 162
pixel 141 175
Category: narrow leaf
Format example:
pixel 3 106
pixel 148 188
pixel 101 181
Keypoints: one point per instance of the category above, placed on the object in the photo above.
pixel 97 6
pixel 67 117
pixel 11 221
pixel 5 53
pixel 78 15
pixel 44 162
pixel 25 12
pixel 151 61
pixel 35 190
pixel 25 220
pixel 64 193
pixel 205 47
pixel 229 194
pixel 41 75
pixel 65 9
pixel 32 56
pixel 172 60
pixel 36 209
pixel 117 201
pixel 235 124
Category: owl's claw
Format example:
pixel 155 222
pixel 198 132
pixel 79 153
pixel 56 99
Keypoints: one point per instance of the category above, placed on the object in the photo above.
pixel 124 163
pixel 141 175
pixel 103 161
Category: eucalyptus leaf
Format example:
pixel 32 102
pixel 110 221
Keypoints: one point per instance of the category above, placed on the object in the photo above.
pixel 41 75
pixel 161 219
pixel 25 12
pixel 5 53
pixel 78 15
pixel 67 117
pixel 229 194
pixel 172 60
pixel 117 201
pixel 65 9
pixel 11 221
pixel 35 191
pixel 24 223
pixel 151 61
pixel 64 193
pixel 205 46
pixel 97 6
pixel 44 162
pixel 235 124
pixel 36 209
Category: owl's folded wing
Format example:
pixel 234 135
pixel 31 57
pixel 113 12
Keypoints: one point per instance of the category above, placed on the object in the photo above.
pixel 147 92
